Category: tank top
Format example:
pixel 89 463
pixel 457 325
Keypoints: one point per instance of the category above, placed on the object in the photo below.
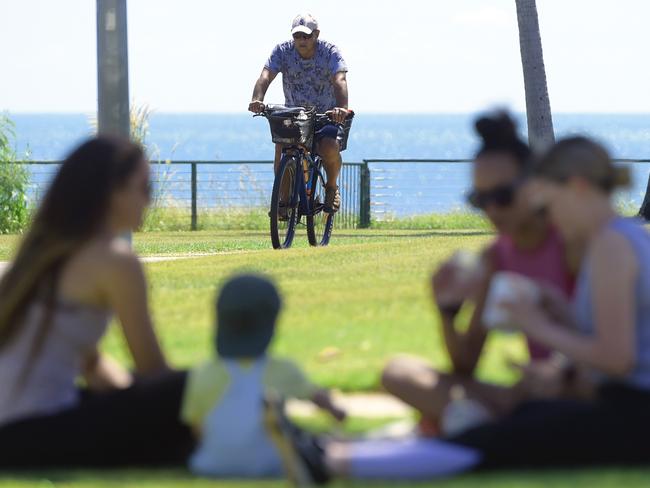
pixel 47 384
pixel 235 441
pixel 545 264
pixel 639 239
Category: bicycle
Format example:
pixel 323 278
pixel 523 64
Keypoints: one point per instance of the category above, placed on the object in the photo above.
pixel 293 198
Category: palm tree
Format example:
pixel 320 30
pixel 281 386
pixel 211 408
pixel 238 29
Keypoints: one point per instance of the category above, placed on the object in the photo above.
pixel 538 106
pixel 644 211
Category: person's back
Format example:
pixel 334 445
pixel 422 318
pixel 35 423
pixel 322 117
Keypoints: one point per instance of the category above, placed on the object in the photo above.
pixel 40 365
pixel 635 234
pixel 234 431
pixel 226 401
pixel 41 382
pixel 63 401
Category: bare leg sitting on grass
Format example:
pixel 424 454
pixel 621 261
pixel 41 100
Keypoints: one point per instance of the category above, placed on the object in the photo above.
pixel 415 382
pixel 526 244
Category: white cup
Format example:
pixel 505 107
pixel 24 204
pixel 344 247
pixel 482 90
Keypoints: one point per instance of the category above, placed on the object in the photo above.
pixel 507 287
pixel 465 265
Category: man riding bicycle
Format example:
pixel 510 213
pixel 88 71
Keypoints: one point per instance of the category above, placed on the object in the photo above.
pixel 313 75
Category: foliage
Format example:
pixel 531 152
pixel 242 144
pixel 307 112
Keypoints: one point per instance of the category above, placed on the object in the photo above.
pixel 14 178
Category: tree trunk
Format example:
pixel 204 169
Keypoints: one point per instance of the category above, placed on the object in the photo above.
pixel 644 211
pixel 538 106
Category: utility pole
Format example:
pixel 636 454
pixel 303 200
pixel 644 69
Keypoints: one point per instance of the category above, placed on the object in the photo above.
pixel 112 69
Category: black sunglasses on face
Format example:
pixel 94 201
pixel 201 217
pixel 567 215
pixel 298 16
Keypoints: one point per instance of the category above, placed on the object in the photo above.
pixel 303 36
pixel 502 196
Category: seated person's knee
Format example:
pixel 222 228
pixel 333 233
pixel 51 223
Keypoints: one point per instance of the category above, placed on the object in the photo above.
pixel 394 375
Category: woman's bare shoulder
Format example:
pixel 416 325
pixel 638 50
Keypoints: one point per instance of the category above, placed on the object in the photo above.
pixel 107 257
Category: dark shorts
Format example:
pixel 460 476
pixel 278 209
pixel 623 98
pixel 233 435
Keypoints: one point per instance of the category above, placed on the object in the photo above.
pixel 138 426
pixel 328 130
pixel 613 429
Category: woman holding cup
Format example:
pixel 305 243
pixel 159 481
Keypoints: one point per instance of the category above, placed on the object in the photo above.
pixel 528 245
pixel 606 329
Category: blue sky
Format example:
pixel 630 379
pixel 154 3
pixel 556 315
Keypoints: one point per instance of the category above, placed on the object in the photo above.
pixel 406 55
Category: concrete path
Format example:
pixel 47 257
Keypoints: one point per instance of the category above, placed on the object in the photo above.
pixel 369 405
pixel 155 259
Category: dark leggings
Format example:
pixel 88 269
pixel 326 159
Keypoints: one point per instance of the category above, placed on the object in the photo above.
pixel 138 426
pixel 614 429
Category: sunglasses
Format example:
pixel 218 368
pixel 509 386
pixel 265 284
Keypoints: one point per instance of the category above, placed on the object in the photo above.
pixel 303 36
pixel 501 196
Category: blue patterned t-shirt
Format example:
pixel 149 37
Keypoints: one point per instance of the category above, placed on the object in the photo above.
pixel 307 82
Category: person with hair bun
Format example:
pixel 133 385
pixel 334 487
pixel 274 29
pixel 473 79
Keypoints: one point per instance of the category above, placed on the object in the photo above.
pixel 527 244
pixel 606 329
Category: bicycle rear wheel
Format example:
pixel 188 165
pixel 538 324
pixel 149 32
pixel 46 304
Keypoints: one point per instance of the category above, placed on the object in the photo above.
pixel 284 204
pixel 319 223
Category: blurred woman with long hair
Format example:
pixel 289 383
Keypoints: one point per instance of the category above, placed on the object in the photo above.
pixel 70 275
pixel 528 244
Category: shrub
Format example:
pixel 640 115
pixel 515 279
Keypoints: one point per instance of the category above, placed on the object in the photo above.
pixel 14 178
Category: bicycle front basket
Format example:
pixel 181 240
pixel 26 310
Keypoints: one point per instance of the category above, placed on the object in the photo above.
pixel 343 140
pixel 292 126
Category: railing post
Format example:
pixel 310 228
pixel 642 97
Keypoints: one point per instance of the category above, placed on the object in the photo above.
pixel 193 190
pixel 364 196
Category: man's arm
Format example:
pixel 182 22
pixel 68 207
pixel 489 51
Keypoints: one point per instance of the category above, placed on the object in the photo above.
pixel 340 84
pixel 261 86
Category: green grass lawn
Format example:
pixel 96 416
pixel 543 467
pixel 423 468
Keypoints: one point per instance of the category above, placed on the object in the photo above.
pixel 176 478
pixel 363 299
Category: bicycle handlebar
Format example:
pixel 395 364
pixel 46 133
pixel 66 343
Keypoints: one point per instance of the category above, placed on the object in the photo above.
pixel 265 112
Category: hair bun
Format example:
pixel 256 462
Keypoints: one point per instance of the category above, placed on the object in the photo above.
pixel 497 130
pixel 622 177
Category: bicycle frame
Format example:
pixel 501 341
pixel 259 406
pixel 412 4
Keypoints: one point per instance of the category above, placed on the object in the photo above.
pixel 303 188
pixel 303 200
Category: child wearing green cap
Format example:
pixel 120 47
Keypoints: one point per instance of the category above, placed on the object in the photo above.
pixel 224 399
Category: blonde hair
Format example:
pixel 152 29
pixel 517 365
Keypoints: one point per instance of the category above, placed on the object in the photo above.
pixel 580 156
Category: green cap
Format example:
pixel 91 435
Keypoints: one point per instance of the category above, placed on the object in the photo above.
pixel 247 309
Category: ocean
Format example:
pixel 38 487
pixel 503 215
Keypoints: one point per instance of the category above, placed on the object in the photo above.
pixel 396 189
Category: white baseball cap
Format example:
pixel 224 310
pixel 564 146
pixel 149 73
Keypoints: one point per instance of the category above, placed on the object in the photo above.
pixel 305 23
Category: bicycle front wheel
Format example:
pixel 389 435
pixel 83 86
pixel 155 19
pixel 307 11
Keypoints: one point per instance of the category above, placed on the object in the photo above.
pixel 319 223
pixel 284 204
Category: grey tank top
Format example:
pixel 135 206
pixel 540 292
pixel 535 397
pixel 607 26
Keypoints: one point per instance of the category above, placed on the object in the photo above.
pixel 634 232
pixel 47 385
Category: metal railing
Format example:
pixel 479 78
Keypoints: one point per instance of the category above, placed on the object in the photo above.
pixel 204 187
pixel 375 189
pixel 396 190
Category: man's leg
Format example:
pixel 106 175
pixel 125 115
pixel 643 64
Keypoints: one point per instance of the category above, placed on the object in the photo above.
pixel 328 148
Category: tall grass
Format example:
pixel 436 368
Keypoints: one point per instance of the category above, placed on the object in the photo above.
pixel 170 218
pixel 457 220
